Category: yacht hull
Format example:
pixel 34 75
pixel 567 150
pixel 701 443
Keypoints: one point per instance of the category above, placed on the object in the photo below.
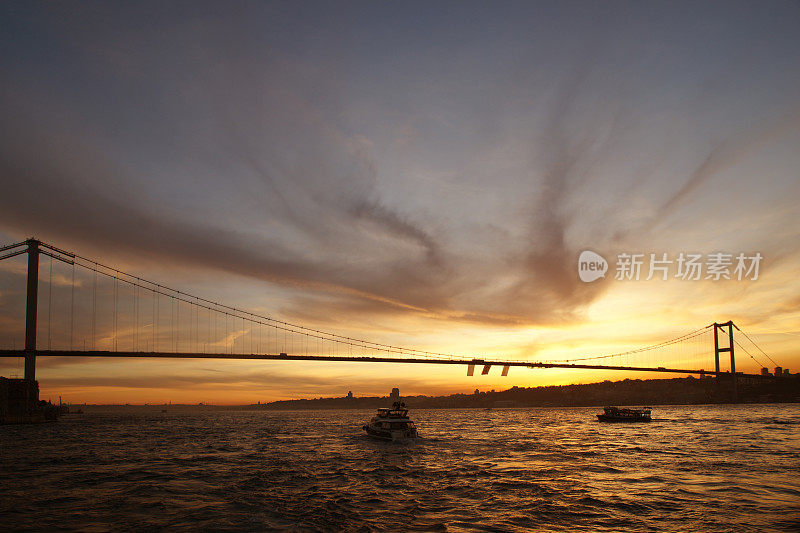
pixel 605 418
pixel 390 435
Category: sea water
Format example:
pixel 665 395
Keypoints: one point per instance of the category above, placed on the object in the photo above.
pixel 694 468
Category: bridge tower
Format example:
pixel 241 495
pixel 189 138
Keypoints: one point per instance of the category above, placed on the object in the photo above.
pixel 717 350
pixel 31 309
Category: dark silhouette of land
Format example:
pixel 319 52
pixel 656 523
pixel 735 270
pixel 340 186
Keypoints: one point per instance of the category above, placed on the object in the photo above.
pixel 674 391
pixel 631 392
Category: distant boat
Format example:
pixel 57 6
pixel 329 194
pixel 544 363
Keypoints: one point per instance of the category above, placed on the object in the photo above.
pixel 392 424
pixel 616 414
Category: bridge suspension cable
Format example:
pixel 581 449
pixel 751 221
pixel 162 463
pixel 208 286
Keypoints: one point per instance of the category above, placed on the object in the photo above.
pixel 199 302
pixel 669 342
pixel 756 345
pixel 748 353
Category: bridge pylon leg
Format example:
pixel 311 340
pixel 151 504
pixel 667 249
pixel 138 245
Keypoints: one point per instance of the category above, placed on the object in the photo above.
pixel 31 310
pixel 718 350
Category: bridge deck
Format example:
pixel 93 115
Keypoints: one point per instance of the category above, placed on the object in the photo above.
pixel 361 359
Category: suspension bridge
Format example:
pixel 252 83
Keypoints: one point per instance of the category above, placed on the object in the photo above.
pixel 79 307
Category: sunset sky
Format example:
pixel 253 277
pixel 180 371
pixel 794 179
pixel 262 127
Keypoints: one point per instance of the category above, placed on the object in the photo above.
pixel 422 174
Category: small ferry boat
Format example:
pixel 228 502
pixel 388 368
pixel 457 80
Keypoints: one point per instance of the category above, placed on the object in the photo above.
pixel 392 424
pixel 616 414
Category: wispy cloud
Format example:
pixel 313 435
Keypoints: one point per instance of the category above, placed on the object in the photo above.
pixel 228 148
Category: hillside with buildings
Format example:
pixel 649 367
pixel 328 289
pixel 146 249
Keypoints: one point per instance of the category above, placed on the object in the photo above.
pixel 674 391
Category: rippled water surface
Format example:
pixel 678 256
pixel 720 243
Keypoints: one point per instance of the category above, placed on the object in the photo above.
pixel 695 468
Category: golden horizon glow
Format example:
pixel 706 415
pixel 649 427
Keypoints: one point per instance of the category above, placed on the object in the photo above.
pixel 430 189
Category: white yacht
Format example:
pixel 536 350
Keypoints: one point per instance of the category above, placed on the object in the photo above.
pixel 616 414
pixel 392 424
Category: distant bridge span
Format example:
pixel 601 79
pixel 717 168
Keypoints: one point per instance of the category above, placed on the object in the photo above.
pixel 156 321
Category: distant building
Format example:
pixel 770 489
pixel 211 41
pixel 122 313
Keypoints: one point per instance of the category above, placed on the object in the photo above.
pixel 349 394
pixel 18 397
pixel 765 371
pixel 395 393
pixel 778 371
pixel 20 404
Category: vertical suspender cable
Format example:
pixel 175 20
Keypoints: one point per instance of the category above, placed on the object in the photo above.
pixel 197 327
pixel 135 314
pixel 116 310
pixel 94 306
pixel 136 307
pixel 72 308
pixel 50 306
pixel 156 323
pixel 192 329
